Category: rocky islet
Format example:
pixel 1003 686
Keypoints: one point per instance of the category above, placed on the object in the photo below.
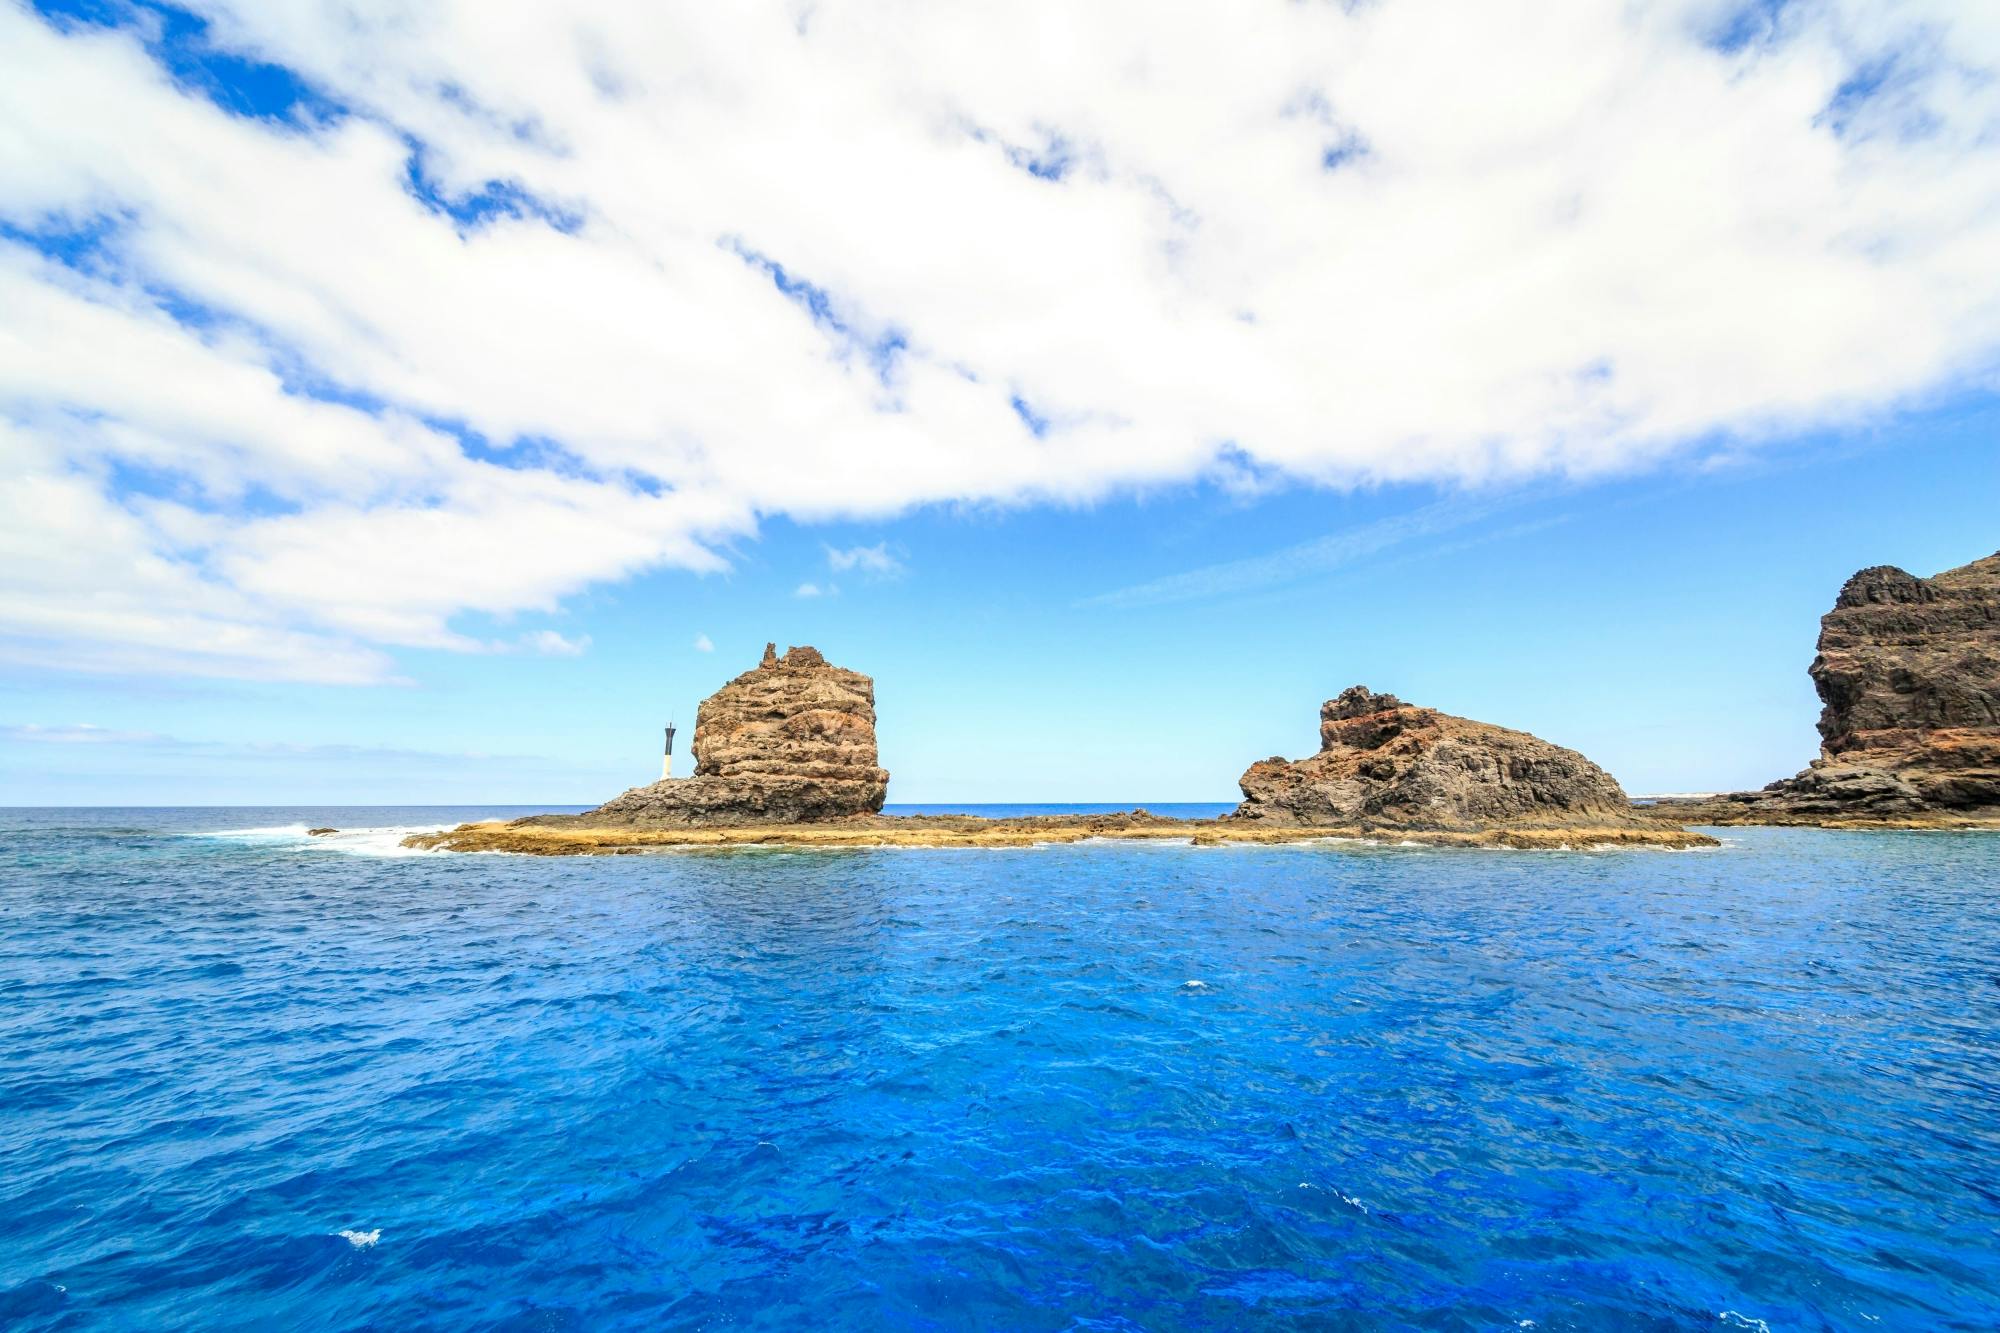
pixel 791 741
pixel 1908 676
pixel 1385 763
pixel 786 753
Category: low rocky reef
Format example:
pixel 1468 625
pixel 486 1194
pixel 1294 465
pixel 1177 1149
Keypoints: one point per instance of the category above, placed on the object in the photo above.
pixel 786 756
pixel 540 838
pixel 1908 676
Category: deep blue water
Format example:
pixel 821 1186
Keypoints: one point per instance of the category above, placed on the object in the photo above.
pixel 1096 1087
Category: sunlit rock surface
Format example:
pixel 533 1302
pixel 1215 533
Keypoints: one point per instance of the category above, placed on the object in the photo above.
pixel 1384 762
pixel 790 742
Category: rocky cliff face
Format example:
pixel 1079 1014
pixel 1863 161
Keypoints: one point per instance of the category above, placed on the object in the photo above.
pixel 791 742
pixel 1908 674
pixel 1383 762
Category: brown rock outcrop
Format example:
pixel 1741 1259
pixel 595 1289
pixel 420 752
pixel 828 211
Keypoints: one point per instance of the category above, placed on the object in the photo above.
pixel 790 742
pixel 1908 675
pixel 1383 763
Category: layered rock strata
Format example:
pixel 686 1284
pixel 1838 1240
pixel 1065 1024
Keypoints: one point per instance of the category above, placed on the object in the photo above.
pixel 791 742
pixel 1908 674
pixel 1383 763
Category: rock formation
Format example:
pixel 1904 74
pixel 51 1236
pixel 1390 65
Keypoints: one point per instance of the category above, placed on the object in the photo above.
pixel 1908 674
pixel 1384 763
pixel 790 742
pixel 785 755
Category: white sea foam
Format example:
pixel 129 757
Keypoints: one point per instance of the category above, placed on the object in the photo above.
pixel 277 833
pixel 380 841
pixel 1340 1194
pixel 361 1240
pixel 1731 1319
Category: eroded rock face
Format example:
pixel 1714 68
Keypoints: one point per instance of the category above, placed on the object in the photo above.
pixel 790 742
pixel 1908 674
pixel 1383 762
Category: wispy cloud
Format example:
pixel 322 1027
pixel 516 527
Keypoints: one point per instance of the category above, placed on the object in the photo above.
pixel 1508 533
pixel 1303 560
pixel 875 559
pixel 816 590
pixel 551 644
pixel 703 644
pixel 82 733
pixel 33 733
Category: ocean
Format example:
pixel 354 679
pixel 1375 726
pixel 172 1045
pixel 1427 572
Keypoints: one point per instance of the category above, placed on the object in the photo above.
pixel 251 1079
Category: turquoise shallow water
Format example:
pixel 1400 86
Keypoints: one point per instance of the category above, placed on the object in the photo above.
pixel 1094 1087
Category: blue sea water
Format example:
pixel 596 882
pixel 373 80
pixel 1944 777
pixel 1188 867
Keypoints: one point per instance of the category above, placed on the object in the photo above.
pixel 251 1079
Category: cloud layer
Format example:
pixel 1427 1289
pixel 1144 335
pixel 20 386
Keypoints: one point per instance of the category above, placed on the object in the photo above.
pixel 452 315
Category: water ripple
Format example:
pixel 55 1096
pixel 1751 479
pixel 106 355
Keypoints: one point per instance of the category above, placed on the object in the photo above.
pixel 253 1079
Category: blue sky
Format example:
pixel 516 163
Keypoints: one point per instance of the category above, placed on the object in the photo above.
pixel 1661 624
pixel 396 400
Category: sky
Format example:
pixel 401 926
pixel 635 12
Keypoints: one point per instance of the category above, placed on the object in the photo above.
pixel 424 403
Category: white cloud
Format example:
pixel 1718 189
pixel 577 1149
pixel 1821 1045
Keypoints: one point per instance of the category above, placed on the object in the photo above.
pixel 703 644
pixel 32 733
pixel 551 644
pixel 874 559
pixel 809 590
pixel 81 733
pixel 1053 251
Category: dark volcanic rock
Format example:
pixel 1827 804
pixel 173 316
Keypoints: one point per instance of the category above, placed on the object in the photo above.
pixel 1901 656
pixel 791 742
pixel 1908 674
pixel 1383 762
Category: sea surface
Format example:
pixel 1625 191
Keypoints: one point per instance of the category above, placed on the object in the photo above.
pixel 251 1079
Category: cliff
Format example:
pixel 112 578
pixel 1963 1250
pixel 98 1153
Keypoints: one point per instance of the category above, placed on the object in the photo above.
pixel 790 742
pixel 1382 762
pixel 1908 674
